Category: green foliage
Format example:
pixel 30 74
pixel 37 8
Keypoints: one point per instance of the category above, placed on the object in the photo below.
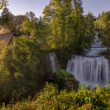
pixel 104 31
pixel 24 55
pixel 7 19
pixel 63 26
pixel 50 99
pixel 28 26
pixel 35 29
pixel 103 20
pixel 18 68
pixel 3 3
pixel 62 73
pixel 65 80
pixel 68 27
pixel 106 36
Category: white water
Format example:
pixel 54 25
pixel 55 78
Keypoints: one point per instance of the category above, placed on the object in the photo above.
pixel 53 61
pixel 96 48
pixel 92 69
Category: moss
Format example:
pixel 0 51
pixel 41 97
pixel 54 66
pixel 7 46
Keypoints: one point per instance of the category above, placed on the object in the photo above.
pixel 65 80
pixel 62 73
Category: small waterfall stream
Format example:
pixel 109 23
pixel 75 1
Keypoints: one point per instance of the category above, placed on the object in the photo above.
pixel 53 61
pixel 92 69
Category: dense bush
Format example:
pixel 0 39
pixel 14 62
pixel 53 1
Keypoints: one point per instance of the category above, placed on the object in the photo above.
pixel 19 75
pixel 50 99
pixel 65 80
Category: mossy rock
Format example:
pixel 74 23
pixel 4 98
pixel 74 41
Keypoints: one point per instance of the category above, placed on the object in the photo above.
pixel 62 73
pixel 65 80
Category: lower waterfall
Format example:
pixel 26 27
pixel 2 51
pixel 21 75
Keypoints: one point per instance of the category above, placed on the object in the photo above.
pixel 89 70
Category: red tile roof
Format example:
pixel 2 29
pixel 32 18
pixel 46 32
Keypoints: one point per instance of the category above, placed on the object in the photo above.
pixel 6 37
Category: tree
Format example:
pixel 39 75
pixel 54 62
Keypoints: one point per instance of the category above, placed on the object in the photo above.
pixel 106 36
pixel 103 25
pixel 3 4
pixel 35 29
pixel 88 30
pixel 29 24
pixel 7 19
pixel 67 24
pixel 5 14
pixel 42 31
pixel 31 16
pixel 55 14
pixel 78 24
pixel 102 21
pixel 19 68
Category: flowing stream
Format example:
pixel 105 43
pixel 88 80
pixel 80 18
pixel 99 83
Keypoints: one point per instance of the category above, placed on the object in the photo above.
pixel 92 69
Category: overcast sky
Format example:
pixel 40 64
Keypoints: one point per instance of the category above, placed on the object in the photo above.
pixel 21 6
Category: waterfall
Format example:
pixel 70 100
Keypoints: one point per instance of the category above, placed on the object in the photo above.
pixel 53 61
pixel 90 71
pixel 93 68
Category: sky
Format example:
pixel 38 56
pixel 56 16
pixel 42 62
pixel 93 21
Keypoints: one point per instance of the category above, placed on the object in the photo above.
pixel 22 6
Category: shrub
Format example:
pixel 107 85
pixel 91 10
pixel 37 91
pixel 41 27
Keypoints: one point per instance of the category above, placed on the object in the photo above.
pixel 65 80
pixel 51 99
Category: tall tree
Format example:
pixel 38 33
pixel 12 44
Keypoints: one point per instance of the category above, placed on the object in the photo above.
pixel 67 23
pixel 7 19
pixel 28 26
pixel 78 22
pixel 55 14
pixel 88 30
pixel 102 21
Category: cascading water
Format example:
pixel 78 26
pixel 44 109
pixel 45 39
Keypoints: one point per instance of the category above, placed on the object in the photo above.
pixel 92 69
pixel 53 61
